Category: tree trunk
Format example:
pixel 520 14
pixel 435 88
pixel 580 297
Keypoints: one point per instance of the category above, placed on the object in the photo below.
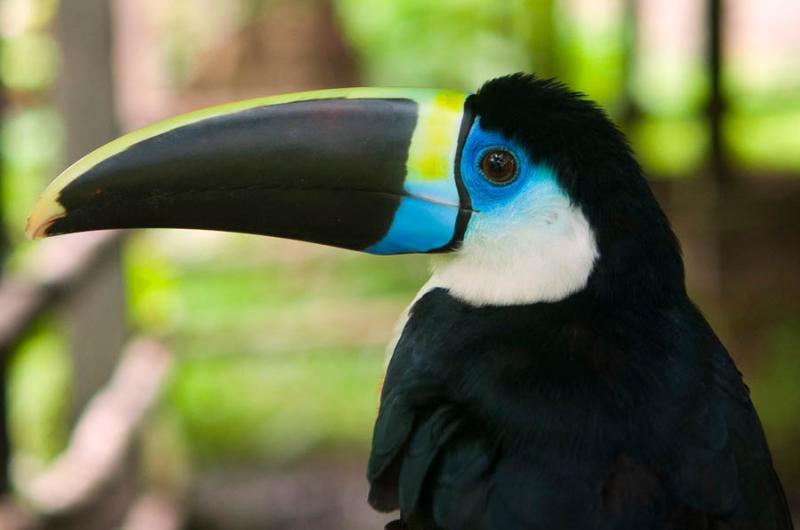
pixel 716 103
pixel 95 314
pixel 630 111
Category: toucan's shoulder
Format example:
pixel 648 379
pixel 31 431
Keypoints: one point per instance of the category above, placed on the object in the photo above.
pixel 455 406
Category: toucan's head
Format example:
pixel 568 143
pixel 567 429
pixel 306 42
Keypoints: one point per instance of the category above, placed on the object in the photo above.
pixel 529 187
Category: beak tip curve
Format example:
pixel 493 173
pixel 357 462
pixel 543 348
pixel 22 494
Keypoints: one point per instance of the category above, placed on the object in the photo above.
pixel 44 214
pixel 38 229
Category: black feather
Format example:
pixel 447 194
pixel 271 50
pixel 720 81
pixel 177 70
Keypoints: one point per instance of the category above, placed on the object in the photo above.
pixel 616 408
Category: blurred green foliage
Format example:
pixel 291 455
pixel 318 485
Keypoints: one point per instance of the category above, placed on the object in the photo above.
pixel 774 392
pixel 30 61
pixel 280 345
pixel 244 407
pixel 39 379
pixel 451 43
pixel 32 139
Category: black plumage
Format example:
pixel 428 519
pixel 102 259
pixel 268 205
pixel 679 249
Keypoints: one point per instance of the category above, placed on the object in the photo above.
pixel 615 408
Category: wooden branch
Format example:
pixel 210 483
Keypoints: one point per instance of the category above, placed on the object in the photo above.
pixel 102 437
pixel 63 262
pixel 154 512
pixel 57 268
pixel 15 517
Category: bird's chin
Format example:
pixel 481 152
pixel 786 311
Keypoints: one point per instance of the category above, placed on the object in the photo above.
pixel 534 265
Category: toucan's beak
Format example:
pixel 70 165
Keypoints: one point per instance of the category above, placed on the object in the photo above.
pixel 366 169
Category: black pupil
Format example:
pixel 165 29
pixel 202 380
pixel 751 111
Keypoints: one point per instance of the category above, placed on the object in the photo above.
pixel 499 166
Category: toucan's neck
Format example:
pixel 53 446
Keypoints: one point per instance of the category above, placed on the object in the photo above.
pixel 631 278
pixel 548 336
pixel 547 258
pixel 640 264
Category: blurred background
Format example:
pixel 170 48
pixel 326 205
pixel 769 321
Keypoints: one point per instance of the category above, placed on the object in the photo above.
pixel 250 403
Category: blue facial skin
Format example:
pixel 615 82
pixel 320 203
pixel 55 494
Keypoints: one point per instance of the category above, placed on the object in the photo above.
pixel 418 226
pixel 531 197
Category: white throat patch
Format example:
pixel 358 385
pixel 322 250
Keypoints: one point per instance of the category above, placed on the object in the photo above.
pixel 546 262
pixel 541 253
pixel 543 259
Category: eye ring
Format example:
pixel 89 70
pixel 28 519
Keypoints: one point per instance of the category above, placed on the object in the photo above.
pixel 499 166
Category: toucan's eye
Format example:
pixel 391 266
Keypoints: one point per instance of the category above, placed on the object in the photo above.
pixel 499 166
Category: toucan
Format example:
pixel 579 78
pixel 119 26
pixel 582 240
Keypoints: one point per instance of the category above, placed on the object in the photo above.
pixel 553 373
